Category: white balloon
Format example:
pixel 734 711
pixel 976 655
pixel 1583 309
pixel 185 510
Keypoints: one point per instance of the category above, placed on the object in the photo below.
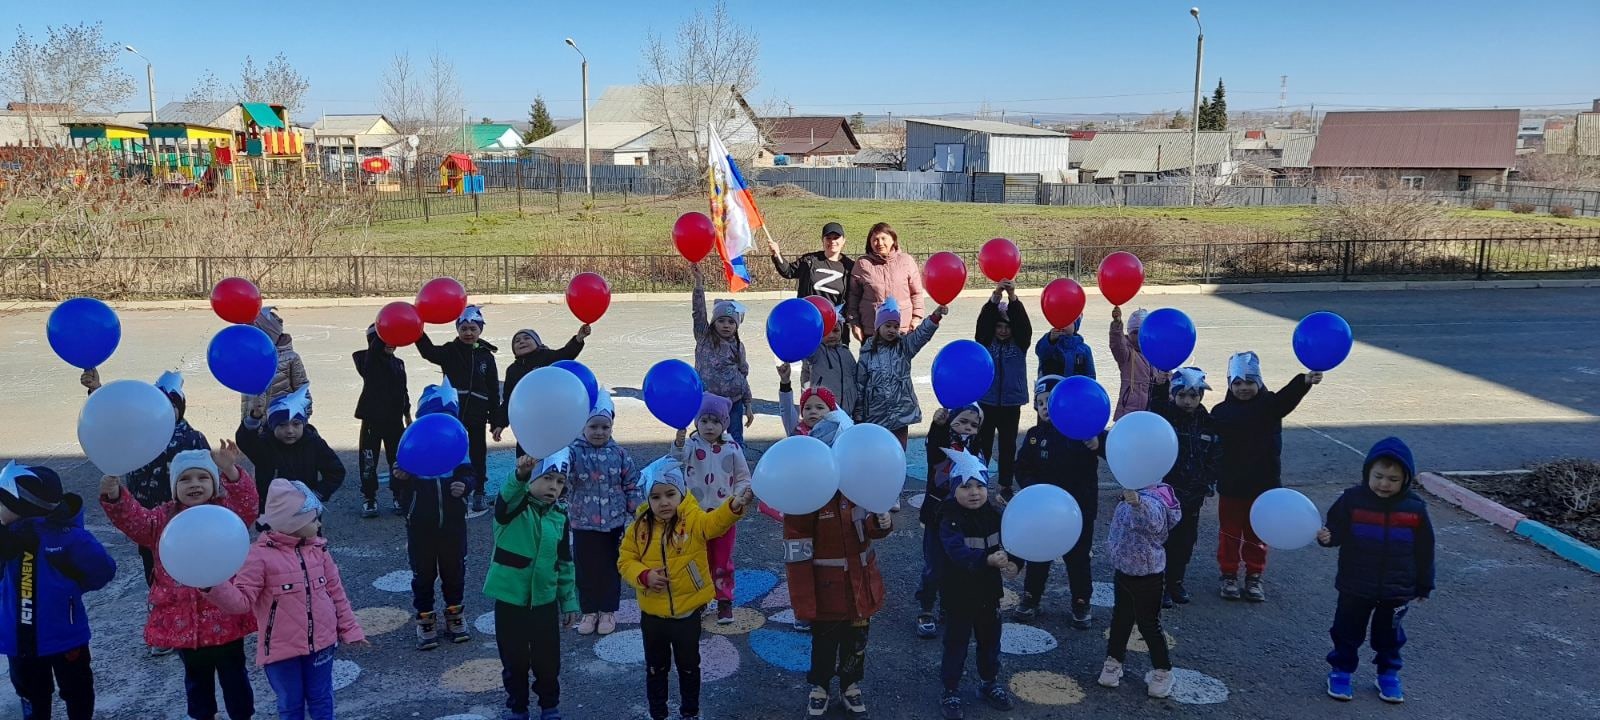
pixel 1285 519
pixel 796 475
pixel 125 425
pixel 547 410
pixel 872 466
pixel 1041 523
pixel 1141 449
pixel 203 546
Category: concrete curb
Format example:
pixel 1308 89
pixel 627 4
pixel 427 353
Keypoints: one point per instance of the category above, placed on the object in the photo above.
pixel 1561 544
pixel 1549 538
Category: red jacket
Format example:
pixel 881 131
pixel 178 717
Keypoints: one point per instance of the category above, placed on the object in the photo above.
pixel 831 564
pixel 180 617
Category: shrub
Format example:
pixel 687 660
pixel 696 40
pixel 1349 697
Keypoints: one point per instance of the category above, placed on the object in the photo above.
pixel 1562 211
pixel 1360 210
pixel 1522 208
pixel 1483 204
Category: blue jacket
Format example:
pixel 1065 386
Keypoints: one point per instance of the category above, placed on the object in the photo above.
pixel 969 537
pixel 1194 475
pixel 1066 356
pixel 1011 387
pixel 41 603
pixel 1385 544
pixel 432 505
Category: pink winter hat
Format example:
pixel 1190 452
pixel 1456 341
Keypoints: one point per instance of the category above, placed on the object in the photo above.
pixel 290 506
pixel 715 405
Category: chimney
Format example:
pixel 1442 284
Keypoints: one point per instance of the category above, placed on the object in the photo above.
pixel 1596 107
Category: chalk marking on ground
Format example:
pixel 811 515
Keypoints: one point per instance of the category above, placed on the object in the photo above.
pixel 1335 440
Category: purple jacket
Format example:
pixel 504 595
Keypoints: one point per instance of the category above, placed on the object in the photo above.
pixel 1138 533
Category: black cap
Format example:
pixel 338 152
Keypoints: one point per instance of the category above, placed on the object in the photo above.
pixel 832 228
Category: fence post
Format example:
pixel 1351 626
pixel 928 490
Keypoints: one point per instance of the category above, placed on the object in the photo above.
pixel 422 198
pixel 558 184
pixel 1347 262
pixel 355 275
pixel 1077 262
pixel 519 188
pixel 475 212
pixel 505 274
pixel 1206 264
pixel 1483 256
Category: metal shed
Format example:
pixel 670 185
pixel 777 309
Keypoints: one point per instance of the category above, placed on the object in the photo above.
pixel 986 146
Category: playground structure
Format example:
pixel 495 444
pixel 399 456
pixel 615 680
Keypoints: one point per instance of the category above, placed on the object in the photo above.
pixel 259 152
pixel 458 174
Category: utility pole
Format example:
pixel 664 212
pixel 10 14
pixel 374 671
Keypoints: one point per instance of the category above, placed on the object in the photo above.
pixel 1194 117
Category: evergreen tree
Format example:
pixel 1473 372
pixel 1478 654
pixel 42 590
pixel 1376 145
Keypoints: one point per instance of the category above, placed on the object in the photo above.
pixel 539 123
pixel 1179 121
pixel 858 123
pixel 1214 115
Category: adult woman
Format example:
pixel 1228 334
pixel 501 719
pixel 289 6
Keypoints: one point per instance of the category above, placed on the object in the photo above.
pixel 883 272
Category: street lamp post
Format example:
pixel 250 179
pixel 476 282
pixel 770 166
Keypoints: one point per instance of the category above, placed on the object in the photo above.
pixel 588 173
pixel 149 78
pixel 1194 116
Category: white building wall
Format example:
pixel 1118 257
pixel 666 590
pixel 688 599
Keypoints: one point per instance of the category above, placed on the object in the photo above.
pixel 1046 156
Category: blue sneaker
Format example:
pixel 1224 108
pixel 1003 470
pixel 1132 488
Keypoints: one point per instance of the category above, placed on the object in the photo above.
pixel 550 714
pixel 1339 686
pixel 1389 689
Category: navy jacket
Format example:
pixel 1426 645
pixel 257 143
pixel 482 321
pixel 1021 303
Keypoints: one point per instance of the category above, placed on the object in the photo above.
pixel 1068 355
pixel 1049 458
pixel 308 460
pixel 50 562
pixel 969 537
pixel 540 357
pixel 151 485
pixel 1252 439
pixel 1385 544
pixel 472 371
pixel 433 507
pixel 1194 475
pixel 1011 387
pixel 383 384
pixel 938 487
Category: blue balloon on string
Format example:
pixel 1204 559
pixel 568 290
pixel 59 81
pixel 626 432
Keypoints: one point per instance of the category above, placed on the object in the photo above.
pixel 1167 339
pixel 1322 340
pixel 590 384
pixel 672 393
pixel 432 446
pixel 794 330
pixel 83 331
pixel 962 373
pixel 243 359
pixel 1080 408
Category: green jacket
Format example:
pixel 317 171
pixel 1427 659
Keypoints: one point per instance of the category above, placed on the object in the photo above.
pixel 532 563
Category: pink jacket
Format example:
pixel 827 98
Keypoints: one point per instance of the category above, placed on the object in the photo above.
pixel 294 588
pixel 1137 375
pixel 713 472
pixel 875 279
pixel 180 617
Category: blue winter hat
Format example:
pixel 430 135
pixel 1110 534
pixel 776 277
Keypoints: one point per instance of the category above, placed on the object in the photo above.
pixel 1394 449
pixel 30 490
pixel 1046 384
pixel 441 398
pixel 472 314
pixel 294 406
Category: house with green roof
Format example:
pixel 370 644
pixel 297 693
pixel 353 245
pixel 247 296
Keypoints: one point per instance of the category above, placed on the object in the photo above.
pixel 494 138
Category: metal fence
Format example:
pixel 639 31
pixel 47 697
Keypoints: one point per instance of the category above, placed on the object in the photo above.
pixel 50 278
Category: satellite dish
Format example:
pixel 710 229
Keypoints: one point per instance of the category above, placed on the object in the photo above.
pixel 413 141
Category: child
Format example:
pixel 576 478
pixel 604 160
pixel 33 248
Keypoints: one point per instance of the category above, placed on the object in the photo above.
pixel 1139 530
pixel 1063 352
pixel 1249 423
pixel 291 374
pixel 969 537
pixel 664 556
pixel 468 361
pixel 285 446
pixel 818 415
pixel 950 430
pixel 530 579
pixel 1137 375
pixel 436 533
pixel 384 410
pixel 1193 477
pixel 290 582
pixel 530 354
pixel 1047 456
pixel 602 496
pixel 209 641
pixel 1006 333
pixel 715 468
pixel 50 562
pixel 884 392
pixel 719 355
pixel 1385 542
pixel 833 366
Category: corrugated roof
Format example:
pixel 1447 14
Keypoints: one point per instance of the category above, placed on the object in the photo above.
pixel 347 125
pixel 1149 152
pixel 602 135
pixel 819 135
pixel 208 114
pixel 1297 151
pixel 486 135
pixel 686 111
pixel 1417 139
pixel 989 126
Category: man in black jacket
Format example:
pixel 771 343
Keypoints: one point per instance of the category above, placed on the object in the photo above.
pixel 825 272
pixel 384 410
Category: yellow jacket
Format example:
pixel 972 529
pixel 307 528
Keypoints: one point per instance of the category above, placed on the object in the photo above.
pixel 689 585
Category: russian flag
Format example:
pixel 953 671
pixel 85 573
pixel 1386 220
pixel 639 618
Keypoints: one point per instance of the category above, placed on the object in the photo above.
pixel 733 211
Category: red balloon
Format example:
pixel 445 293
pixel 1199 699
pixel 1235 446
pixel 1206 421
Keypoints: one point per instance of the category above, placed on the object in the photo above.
pixel 694 234
pixel 236 300
pixel 1062 302
pixel 1121 276
pixel 830 317
pixel 943 276
pixel 399 324
pixel 588 296
pixel 999 259
pixel 441 300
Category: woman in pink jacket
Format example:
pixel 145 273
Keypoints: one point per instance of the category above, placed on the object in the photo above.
pixel 290 582
pixel 209 640
pixel 884 272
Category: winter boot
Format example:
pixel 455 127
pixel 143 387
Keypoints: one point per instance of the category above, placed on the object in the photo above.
pixel 1230 587
pixel 427 631
pixel 455 625
pixel 1252 589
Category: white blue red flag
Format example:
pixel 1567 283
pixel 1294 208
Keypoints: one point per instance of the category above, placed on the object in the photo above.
pixel 733 211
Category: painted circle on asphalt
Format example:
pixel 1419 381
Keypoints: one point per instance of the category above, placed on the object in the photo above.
pixel 627 612
pixel 1018 639
pixel 485 623
pixel 1046 688
pixel 624 647
pixel 1193 688
pixel 473 676
pixel 462 717
pixel 744 621
pixel 718 657
pixel 778 598
pixel 396 582
pixel 1136 641
pixel 916 500
pixel 380 620
pixel 1105 595
pixel 786 617
pixel 782 648
pixel 344 673
pixel 751 584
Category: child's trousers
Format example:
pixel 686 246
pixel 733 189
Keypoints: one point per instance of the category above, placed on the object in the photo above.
pixel 1079 580
pixel 304 685
pixel 1000 420
pixel 669 641
pixel 529 639
pixel 933 560
pixel 594 554
pixel 36 678
pixel 838 649
pixel 1180 542
pixel 1350 620
pixel 961 626
pixel 440 553
pixel 719 553
pixel 379 438
pixel 207 667
pixel 1138 603
pixel 1236 540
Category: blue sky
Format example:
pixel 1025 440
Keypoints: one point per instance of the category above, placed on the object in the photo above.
pixel 933 56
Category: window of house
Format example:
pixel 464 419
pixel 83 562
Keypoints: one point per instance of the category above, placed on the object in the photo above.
pixel 638 161
pixel 1411 182
pixel 1463 182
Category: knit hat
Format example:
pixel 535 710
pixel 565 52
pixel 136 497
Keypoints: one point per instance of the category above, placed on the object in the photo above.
pixel 558 462
pixel 1046 384
pixel 1136 320
pixel 819 392
pixel 888 312
pixel 441 398
pixel 191 460
pixel 30 490
pixel 470 315
pixel 970 407
pixel 727 308
pixel 530 332
pixel 603 407
pixel 715 405
pixel 965 466
pixel 268 322
pixel 1244 365
pixel 290 506
pixel 290 407
pixel 1188 378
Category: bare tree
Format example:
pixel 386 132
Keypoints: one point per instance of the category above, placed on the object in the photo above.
pixel 401 92
pixel 442 102
pixel 277 83
pixel 74 68
pixel 1363 210
pixel 698 80
pixel 207 88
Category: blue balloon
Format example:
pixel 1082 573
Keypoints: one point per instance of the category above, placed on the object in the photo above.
pixel 794 330
pixel 1322 340
pixel 672 392
pixel 432 446
pixel 962 373
pixel 1167 339
pixel 83 331
pixel 1080 408
pixel 590 384
pixel 243 359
